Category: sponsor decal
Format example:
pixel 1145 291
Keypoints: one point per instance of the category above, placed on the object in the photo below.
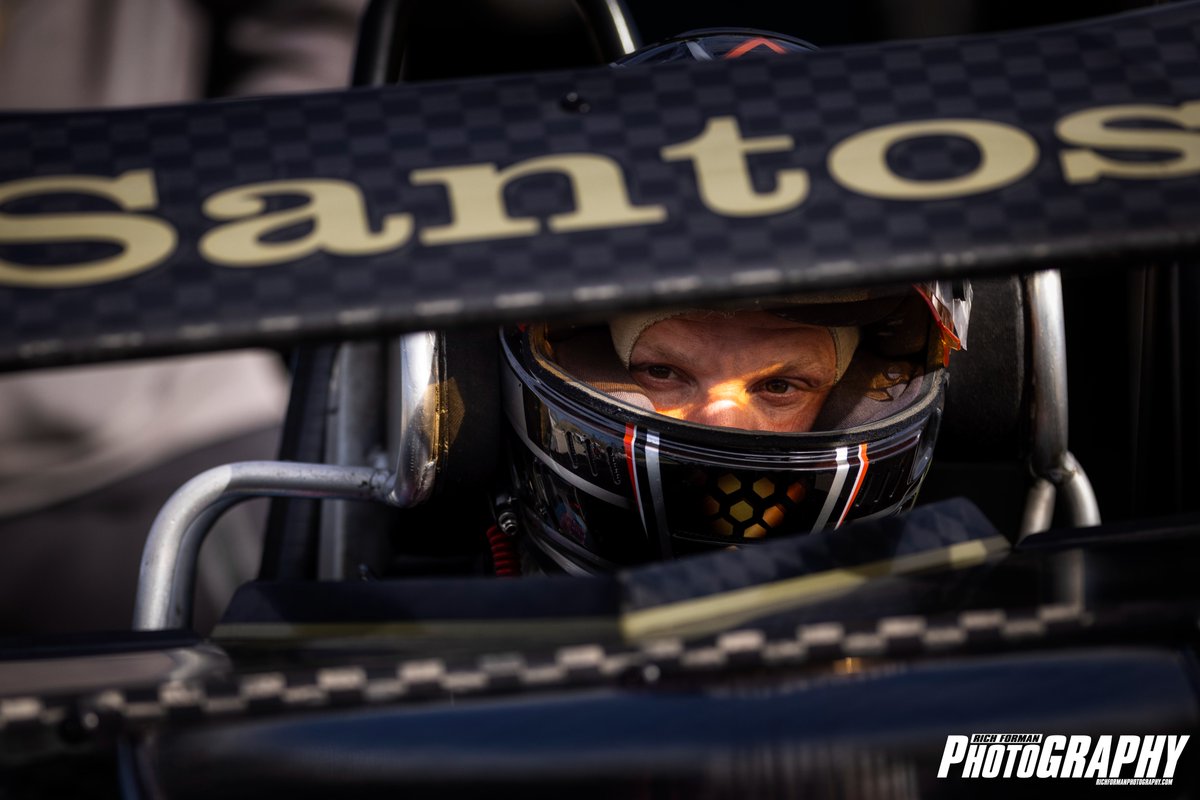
pixel 1116 142
pixel 1147 760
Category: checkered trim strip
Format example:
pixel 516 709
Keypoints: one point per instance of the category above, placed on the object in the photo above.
pixel 423 680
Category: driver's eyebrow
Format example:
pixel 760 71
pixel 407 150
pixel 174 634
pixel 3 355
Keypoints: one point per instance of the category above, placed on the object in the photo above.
pixel 797 364
pixel 804 363
pixel 653 353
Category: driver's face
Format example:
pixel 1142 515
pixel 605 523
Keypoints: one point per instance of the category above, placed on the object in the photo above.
pixel 750 370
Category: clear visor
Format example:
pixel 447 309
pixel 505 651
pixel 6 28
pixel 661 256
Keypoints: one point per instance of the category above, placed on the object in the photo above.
pixel 606 482
pixel 798 364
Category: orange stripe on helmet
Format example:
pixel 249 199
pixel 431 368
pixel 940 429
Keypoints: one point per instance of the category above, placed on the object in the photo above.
pixel 751 44
pixel 858 482
pixel 950 340
pixel 630 432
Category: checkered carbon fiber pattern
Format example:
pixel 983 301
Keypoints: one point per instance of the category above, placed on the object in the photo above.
pixel 376 137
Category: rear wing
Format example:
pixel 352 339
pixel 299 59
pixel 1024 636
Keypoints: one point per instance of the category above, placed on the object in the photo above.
pixel 368 211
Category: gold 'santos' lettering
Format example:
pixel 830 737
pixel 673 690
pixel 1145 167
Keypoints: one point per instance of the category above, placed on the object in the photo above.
pixel 1096 129
pixel 334 212
pixel 859 163
pixel 145 241
pixel 479 212
pixel 333 218
pixel 723 177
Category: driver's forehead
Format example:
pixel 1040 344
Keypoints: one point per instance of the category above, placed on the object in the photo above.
pixel 741 320
pixel 708 335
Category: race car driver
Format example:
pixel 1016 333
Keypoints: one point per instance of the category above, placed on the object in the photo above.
pixel 670 432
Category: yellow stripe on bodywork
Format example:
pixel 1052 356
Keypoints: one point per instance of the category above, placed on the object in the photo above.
pixel 708 615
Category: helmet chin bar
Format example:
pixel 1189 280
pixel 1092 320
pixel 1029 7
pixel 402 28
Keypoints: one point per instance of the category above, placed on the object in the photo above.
pixel 167 579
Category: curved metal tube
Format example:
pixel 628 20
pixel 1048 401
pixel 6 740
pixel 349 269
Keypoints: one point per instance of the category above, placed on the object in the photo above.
pixel 1039 508
pixel 168 573
pixel 1052 463
pixel 415 376
pixel 612 26
pixel 1082 507
pixel 1044 290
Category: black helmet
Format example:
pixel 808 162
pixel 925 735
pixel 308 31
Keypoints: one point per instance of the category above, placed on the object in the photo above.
pixel 602 479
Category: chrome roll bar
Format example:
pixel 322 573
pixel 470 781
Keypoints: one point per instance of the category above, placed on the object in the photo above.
pixel 415 376
pixel 1054 468
pixel 168 574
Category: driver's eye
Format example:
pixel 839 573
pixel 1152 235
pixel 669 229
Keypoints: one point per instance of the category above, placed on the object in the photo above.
pixel 776 386
pixel 659 371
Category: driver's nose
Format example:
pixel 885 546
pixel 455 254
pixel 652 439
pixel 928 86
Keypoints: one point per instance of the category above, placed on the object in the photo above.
pixel 724 412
